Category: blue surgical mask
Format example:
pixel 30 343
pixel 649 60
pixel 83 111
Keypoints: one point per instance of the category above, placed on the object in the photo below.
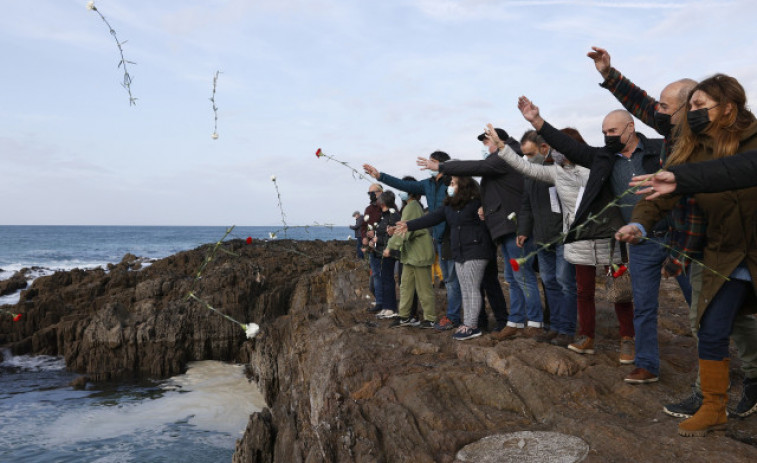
pixel 450 191
pixel 403 195
pixel 485 153
pixel 433 173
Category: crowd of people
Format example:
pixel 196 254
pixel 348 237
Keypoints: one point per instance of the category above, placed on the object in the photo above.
pixel 682 206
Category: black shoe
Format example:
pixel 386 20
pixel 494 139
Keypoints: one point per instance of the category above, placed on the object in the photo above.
pixel 410 321
pixel 562 340
pixel 686 408
pixel 425 324
pixel 748 403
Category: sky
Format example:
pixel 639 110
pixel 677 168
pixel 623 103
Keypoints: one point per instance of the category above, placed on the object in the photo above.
pixel 377 82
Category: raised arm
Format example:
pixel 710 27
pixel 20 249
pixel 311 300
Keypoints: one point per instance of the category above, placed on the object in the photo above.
pixel 539 172
pixel 731 173
pixel 574 150
pixel 633 98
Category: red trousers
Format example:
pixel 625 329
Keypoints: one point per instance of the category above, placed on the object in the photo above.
pixel 585 285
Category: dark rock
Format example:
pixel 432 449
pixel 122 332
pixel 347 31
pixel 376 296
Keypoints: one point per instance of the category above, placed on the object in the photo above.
pixel 16 282
pixel 80 382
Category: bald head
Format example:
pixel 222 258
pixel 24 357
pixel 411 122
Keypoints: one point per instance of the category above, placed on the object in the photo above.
pixel 674 97
pixel 618 115
pixel 619 124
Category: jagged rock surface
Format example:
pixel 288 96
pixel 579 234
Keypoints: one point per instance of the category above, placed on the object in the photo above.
pixel 343 386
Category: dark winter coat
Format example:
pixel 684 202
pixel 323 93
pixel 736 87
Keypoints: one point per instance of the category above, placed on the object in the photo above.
pixel 598 192
pixel 731 173
pixel 501 188
pixel 469 238
pixel 731 226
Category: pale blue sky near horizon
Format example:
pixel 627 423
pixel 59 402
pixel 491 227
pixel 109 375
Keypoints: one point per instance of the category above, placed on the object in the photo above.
pixel 378 82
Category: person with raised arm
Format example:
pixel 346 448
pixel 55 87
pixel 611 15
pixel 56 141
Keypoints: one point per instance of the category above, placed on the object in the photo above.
pixel 718 124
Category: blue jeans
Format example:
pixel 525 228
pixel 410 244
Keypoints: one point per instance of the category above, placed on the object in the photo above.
pixel 559 278
pixel 454 297
pixel 525 302
pixel 645 264
pixel 388 285
pixel 717 321
pixel 375 262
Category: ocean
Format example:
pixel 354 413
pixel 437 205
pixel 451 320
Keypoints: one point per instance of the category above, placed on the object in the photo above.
pixel 193 418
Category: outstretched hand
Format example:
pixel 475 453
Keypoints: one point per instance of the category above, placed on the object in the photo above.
pixel 601 60
pixel 372 171
pixel 658 184
pixel 530 112
pixel 428 164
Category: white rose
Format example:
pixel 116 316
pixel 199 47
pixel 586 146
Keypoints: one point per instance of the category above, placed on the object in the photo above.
pixel 251 329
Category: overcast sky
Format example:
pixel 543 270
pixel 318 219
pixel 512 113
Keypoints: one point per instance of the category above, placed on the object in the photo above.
pixel 366 81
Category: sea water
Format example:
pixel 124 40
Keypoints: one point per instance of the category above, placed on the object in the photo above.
pixel 194 417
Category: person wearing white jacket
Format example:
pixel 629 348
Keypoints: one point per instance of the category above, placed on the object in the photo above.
pixel 569 180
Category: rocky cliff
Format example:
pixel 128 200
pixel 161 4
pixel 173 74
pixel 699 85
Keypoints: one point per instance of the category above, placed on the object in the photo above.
pixel 343 386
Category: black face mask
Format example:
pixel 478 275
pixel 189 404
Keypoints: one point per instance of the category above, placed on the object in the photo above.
pixel 372 195
pixel 663 123
pixel 699 119
pixel 613 143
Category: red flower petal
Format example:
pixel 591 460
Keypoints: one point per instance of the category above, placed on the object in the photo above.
pixel 620 271
pixel 249 240
pixel 514 264
pixel 17 317
pixel 318 153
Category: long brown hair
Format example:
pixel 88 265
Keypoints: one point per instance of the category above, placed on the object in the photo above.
pixel 724 133
pixel 467 190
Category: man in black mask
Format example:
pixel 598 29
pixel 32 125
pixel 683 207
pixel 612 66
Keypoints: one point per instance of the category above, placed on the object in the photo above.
pixel 626 153
pixel 688 225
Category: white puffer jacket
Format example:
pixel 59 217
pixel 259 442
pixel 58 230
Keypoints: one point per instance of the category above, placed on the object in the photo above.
pixel 568 180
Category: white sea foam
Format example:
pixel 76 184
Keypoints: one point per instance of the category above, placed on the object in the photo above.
pixel 32 362
pixel 212 396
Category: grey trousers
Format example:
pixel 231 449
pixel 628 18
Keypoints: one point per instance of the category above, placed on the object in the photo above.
pixel 470 274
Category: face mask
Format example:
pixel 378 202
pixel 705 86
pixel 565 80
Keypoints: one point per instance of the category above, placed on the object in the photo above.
pixel 372 195
pixel 403 196
pixel 450 191
pixel 662 123
pixel 613 143
pixel 433 173
pixel 485 153
pixel 699 119
pixel 536 158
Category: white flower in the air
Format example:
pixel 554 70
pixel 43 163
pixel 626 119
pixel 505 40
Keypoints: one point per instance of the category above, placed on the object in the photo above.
pixel 273 178
pixel 90 5
pixel 272 235
pixel 214 136
pixel 511 216
pixel 251 329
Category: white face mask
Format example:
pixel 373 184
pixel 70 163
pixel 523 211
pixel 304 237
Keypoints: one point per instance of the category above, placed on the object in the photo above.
pixel 536 158
pixel 451 191
pixel 433 173
pixel 485 152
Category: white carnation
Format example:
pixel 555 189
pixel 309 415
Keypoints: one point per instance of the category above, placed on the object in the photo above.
pixel 214 136
pixel 273 178
pixel 511 216
pixel 90 5
pixel 251 329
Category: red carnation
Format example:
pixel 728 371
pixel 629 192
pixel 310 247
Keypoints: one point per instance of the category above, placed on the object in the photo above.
pixel 249 240
pixel 318 153
pixel 620 271
pixel 514 264
pixel 17 317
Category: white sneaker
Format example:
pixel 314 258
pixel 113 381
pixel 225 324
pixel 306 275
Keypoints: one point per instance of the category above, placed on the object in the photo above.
pixel 383 313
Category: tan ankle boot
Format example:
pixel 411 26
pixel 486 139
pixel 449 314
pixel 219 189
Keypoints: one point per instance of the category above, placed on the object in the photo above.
pixel 711 415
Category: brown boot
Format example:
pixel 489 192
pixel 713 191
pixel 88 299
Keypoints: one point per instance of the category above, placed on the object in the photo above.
pixel 506 333
pixel 711 415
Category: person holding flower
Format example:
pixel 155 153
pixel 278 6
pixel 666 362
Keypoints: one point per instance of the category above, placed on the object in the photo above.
pixel 569 179
pixel 384 228
pixel 470 243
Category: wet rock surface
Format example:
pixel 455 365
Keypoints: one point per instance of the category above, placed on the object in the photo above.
pixel 343 386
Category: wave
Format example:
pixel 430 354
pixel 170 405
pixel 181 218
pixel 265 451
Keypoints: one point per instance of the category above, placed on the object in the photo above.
pixel 31 362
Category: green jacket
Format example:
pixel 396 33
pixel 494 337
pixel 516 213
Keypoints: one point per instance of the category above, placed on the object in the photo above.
pixel 416 247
